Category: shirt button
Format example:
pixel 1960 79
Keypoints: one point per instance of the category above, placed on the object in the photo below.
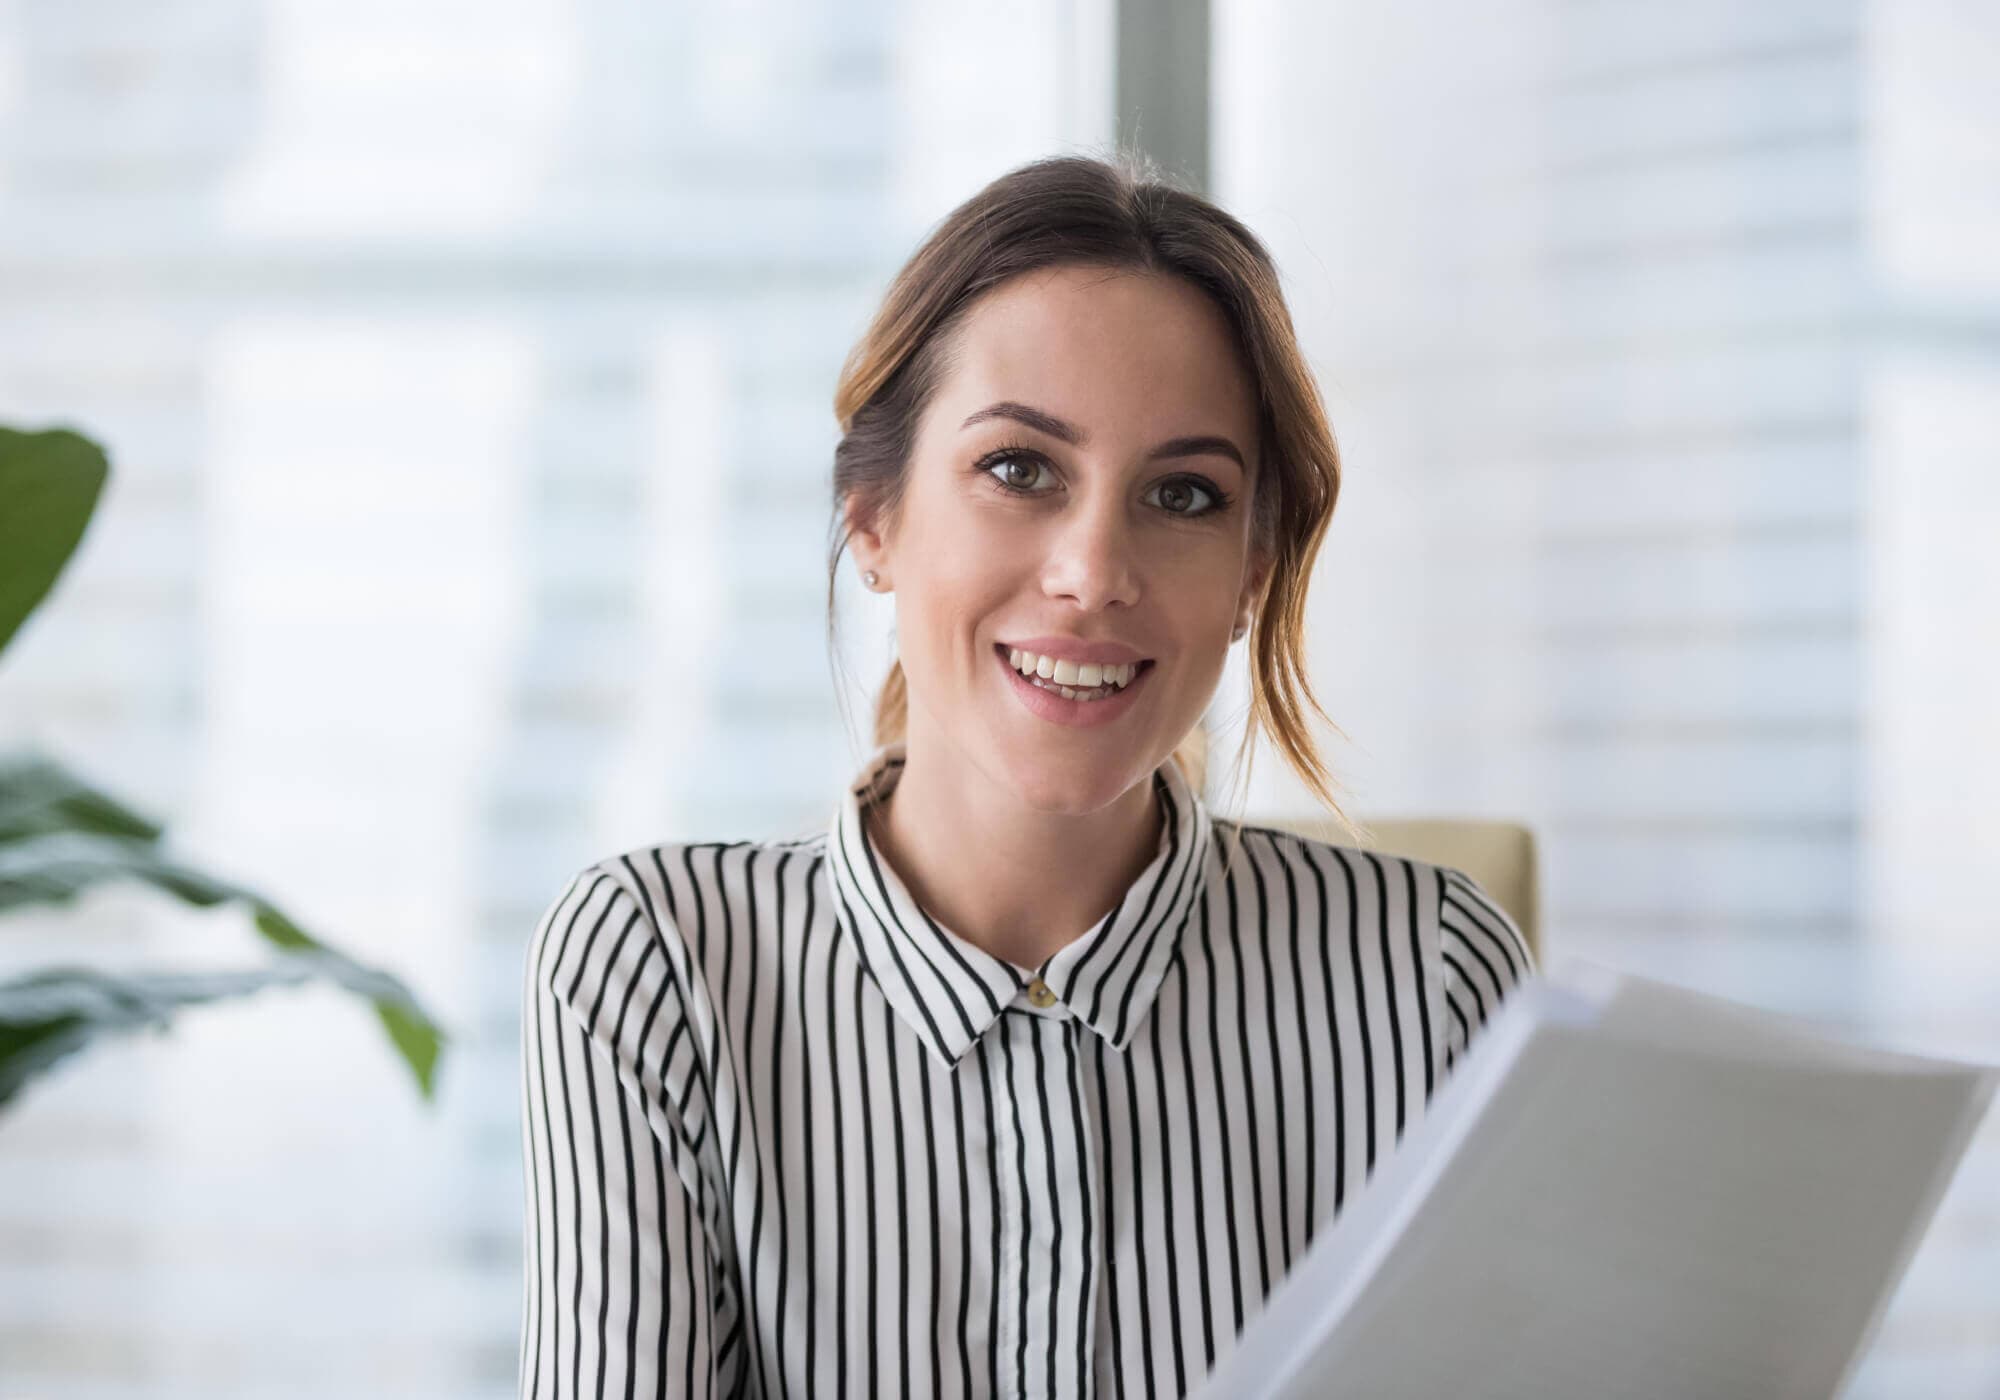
pixel 1039 993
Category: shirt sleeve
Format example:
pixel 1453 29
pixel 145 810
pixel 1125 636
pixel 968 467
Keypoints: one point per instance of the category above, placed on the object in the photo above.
pixel 1485 957
pixel 621 1291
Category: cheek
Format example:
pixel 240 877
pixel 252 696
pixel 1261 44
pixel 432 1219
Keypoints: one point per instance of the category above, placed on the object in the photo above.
pixel 1203 595
pixel 965 558
pixel 961 584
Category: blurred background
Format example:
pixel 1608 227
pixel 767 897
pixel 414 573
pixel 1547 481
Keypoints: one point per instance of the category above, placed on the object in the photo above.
pixel 466 371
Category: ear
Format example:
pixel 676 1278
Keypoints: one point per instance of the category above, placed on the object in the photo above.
pixel 863 541
pixel 1254 580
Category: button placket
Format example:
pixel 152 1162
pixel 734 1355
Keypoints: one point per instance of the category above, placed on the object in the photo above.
pixel 1011 1267
pixel 1048 1292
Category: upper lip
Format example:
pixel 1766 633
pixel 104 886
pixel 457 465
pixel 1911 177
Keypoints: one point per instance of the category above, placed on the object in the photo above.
pixel 1077 650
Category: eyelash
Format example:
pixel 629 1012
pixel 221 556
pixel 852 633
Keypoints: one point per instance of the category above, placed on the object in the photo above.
pixel 984 466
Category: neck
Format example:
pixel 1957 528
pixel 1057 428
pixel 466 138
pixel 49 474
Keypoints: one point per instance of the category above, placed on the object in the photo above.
pixel 1019 883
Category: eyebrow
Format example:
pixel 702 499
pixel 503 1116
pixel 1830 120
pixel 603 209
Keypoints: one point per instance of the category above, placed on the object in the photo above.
pixel 1192 446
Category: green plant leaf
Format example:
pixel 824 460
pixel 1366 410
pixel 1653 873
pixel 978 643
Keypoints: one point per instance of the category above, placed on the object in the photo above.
pixel 38 795
pixel 54 867
pixel 419 1040
pixel 50 1015
pixel 49 483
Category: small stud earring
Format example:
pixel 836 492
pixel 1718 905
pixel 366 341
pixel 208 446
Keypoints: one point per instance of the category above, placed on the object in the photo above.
pixel 1237 634
pixel 869 578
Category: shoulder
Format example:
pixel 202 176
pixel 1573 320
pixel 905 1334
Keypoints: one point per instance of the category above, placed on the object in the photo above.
pixel 1448 905
pixel 624 957
pixel 1377 875
pixel 669 879
pixel 683 883
pixel 680 895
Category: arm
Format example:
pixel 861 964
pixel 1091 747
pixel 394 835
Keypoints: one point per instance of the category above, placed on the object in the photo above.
pixel 1485 958
pixel 620 1291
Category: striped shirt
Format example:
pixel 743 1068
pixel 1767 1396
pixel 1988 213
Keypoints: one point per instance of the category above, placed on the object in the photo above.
pixel 785 1134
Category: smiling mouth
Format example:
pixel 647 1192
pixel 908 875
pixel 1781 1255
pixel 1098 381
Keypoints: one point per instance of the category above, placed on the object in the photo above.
pixel 1081 694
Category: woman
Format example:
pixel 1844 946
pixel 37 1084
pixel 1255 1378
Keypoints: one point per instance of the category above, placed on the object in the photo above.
pixel 1028 1075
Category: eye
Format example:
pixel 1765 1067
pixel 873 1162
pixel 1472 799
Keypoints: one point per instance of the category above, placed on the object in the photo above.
pixel 1179 497
pixel 1017 466
pixel 1178 490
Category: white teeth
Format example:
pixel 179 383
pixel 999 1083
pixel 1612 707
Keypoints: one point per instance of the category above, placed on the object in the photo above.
pixel 1068 692
pixel 1085 676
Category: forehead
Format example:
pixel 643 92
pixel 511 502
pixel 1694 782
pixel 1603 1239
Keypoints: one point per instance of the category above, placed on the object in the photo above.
pixel 1118 353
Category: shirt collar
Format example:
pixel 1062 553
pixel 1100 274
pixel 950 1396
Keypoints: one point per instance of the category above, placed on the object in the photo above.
pixel 949 991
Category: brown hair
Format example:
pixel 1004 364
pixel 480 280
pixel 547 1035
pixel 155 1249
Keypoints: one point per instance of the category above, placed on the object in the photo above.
pixel 1118 213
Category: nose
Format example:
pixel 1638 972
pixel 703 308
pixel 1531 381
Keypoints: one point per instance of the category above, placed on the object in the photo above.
pixel 1092 559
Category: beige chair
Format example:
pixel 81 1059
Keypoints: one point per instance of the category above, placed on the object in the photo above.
pixel 1499 856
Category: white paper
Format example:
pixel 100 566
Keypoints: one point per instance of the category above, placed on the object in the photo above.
pixel 1626 1189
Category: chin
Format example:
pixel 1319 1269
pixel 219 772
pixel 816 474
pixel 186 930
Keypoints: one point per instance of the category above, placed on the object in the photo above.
pixel 1067 784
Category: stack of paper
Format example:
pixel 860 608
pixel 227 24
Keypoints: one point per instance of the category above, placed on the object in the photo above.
pixel 1625 1189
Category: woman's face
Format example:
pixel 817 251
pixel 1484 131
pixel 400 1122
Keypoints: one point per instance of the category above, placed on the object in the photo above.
pixel 1081 478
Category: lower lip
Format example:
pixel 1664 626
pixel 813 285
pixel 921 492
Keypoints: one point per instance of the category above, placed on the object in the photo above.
pixel 1079 714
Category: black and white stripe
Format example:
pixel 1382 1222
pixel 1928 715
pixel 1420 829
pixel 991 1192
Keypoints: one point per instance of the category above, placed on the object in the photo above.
pixel 784 1134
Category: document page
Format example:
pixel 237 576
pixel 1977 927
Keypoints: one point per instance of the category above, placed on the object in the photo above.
pixel 1654 1197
